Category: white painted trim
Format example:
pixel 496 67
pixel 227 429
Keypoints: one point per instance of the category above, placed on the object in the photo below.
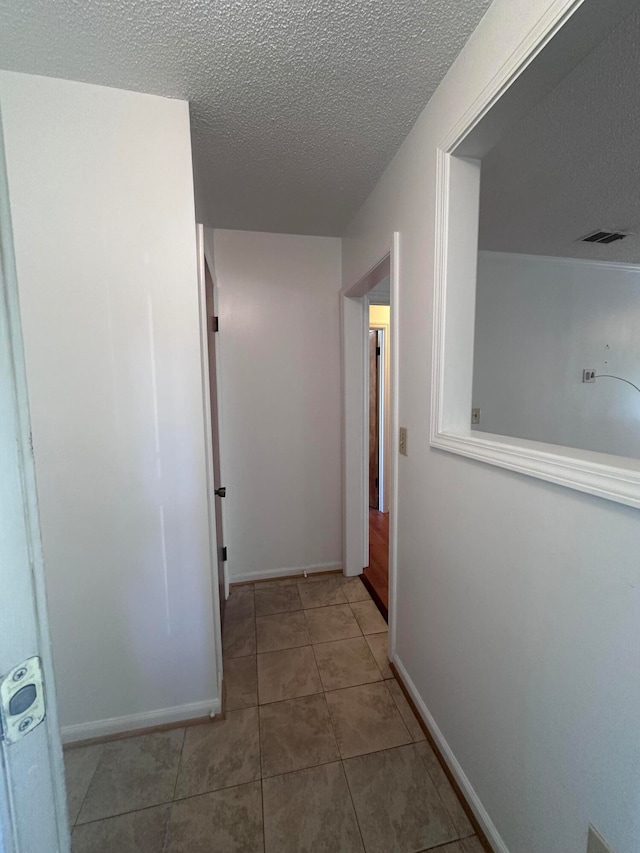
pixel 143 720
pixel 457 188
pixel 354 316
pixel 270 574
pixel 472 798
pixel 582 470
pixel 365 430
pixel 208 448
pixel 394 422
pixel 621 266
pixel 33 801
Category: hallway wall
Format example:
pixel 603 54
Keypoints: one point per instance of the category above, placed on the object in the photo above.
pixel 518 601
pixel 102 207
pixel 279 389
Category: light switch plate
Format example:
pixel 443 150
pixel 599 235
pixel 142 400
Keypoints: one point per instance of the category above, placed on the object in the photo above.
pixel 596 843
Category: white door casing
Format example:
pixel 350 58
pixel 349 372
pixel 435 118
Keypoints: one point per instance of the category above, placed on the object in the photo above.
pixel 33 812
pixel 355 426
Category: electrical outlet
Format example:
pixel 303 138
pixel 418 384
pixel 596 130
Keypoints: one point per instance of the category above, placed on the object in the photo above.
pixel 588 375
pixel 596 843
pixel 475 416
pixel 403 441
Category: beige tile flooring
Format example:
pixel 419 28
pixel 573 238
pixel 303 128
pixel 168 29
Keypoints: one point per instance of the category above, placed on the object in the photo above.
pixel 319 749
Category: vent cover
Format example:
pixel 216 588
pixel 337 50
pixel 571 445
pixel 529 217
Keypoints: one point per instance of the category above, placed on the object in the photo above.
pixel 603 237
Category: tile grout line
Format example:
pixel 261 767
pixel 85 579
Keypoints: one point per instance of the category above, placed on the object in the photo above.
pixel 86 793
pixel 447 843
pixel 353 805
pixel 264 837
pixel 175 784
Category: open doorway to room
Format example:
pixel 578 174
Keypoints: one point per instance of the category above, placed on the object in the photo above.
pixel 376 574
pixel 370 367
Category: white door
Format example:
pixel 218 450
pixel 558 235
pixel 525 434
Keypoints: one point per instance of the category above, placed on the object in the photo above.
pixel 33 816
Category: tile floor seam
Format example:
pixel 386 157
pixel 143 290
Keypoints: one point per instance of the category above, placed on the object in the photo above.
pixel 322 606
pixel 193 796
pixel 86 793
pixel 302 769
pixel 131 811
pixel 437 788
pixel 395 705
pixel 167 830
pixel 353 805
pixel 175 784
pixel 446 843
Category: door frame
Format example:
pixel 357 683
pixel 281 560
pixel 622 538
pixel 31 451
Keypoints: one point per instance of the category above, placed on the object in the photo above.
pixel 208 446
pixel 354 309
pixel 33 806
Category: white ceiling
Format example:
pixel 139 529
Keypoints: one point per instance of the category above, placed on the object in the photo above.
pixel 572 165
pixel 297 105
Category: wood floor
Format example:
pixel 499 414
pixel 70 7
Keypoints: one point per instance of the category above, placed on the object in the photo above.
pixel 376 575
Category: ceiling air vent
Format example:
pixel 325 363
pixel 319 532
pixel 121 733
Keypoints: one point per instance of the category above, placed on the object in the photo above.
pixel 603 237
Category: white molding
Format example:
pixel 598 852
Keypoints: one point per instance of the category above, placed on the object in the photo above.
pixel 533 43
pixel 269 574
pixel 582 470
pixel 143 720
pixel 609 477
pixel 208 447
pixel 621 266
pixel 472 798
pixel 393 428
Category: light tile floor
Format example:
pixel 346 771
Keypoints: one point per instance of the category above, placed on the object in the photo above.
pixel 319 749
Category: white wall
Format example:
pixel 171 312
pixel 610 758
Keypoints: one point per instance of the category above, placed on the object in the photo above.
pixel 541 321
pixel 518 602
pixel 102 206
pixel 279 389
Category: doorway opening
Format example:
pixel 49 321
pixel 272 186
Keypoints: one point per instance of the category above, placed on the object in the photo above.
pixel 375 575
pixel 369 317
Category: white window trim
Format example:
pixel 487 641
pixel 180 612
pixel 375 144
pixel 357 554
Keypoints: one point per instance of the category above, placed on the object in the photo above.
pixel 457 209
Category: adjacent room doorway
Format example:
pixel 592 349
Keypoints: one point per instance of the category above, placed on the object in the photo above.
pixel 376 574
pixel 370 367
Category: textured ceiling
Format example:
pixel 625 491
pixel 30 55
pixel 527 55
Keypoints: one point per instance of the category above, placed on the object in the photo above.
pixel 572 165
pixel 297 105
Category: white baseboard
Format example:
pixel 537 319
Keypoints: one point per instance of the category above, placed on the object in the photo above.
pixel 144 720
pixel 482 816
pixel 269 574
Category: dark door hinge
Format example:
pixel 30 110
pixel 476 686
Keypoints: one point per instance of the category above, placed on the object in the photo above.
pixel 215 325
pixel 377 350
pixel 224 554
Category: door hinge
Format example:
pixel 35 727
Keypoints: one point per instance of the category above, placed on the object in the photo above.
pixel 215 325
pixel 224 554
pixel 377 351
